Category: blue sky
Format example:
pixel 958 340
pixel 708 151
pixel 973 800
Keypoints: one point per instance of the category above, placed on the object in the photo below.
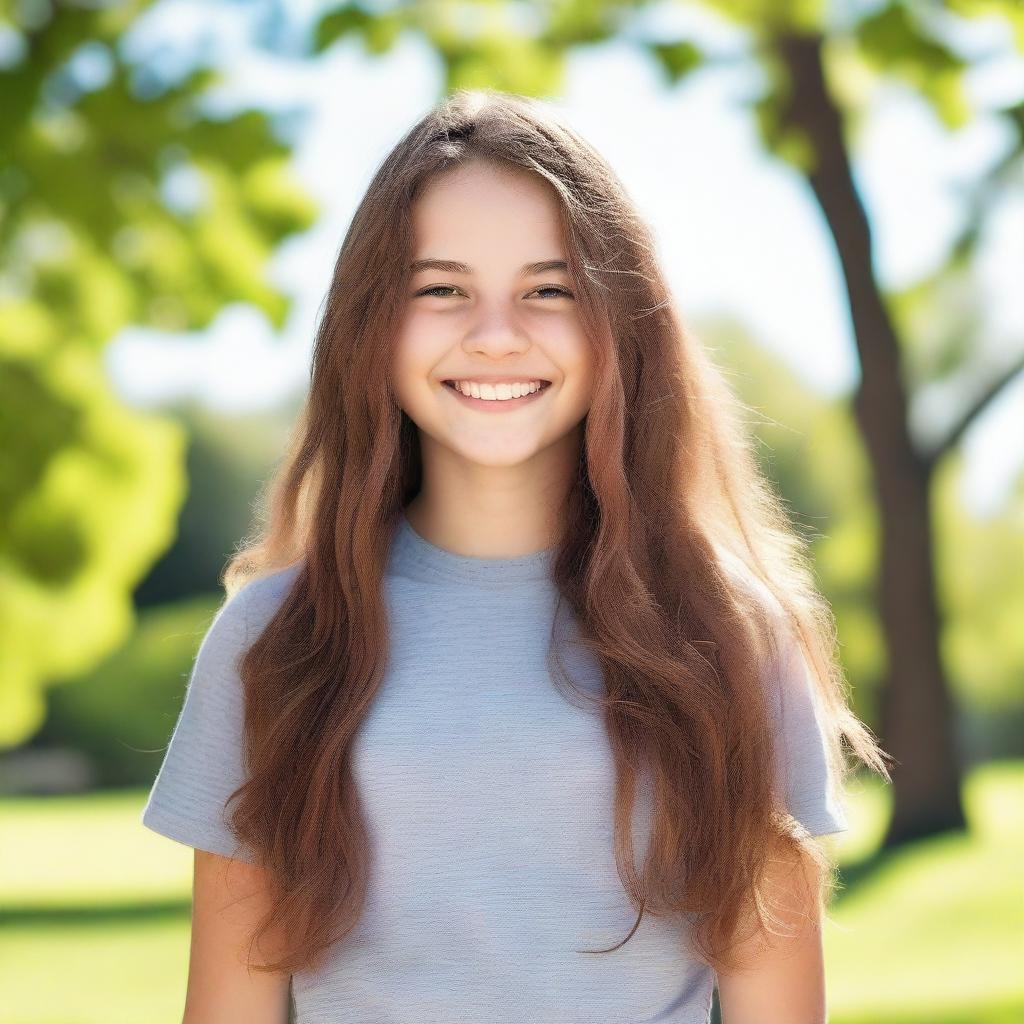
pixel 721 211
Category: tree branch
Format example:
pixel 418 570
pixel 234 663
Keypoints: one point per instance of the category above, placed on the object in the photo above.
pixel 974 410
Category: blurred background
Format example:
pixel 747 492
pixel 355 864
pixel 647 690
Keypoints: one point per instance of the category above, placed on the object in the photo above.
pixel 837 190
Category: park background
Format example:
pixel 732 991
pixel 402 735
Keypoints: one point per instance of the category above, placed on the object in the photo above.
pixel 837 190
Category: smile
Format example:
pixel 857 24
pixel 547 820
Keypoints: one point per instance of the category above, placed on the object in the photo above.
pixel 496 404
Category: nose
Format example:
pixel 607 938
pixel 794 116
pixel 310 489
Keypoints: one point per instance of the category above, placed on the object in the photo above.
pixel 495 333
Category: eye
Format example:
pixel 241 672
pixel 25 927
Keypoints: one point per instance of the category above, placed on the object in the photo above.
pixel 433 289
pixel 555 288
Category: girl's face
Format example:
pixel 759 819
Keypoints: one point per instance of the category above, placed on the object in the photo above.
pixel 488 304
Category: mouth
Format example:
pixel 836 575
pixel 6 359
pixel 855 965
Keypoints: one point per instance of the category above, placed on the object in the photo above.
pixel 497 404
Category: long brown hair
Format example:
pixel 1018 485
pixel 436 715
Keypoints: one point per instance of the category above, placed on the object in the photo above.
pixel 677 560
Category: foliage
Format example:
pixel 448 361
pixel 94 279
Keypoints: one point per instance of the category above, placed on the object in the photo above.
pixel 125 200
pixel 122 712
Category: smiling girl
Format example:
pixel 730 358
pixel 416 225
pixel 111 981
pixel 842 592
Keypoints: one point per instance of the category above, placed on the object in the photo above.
pixel 523 705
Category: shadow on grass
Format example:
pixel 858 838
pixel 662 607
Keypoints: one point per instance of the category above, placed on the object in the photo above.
pixel 852 875
pixel 61 917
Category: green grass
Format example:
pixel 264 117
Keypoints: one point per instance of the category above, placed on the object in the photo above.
pixel 93 898
pixel 932 934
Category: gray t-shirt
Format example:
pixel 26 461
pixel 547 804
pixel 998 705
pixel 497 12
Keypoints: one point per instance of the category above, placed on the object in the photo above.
pixel 489 800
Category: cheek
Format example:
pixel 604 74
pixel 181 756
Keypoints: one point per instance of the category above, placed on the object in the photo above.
pixel 422 336
pixel 406 371
pixel 579 359
pixel 412 352
pixel 584 375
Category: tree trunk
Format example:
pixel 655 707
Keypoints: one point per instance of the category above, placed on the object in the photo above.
pixel 917 712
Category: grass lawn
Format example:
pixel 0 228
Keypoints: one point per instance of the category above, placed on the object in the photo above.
pixel 935 933
pixel 931 935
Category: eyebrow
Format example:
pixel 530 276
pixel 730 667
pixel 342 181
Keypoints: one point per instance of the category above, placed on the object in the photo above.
pixel 454 267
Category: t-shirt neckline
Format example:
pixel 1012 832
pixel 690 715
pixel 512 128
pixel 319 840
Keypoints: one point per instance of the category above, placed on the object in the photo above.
pixel 471 568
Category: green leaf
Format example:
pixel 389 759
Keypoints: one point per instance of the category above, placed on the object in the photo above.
pixel 677 59
pixel 896 43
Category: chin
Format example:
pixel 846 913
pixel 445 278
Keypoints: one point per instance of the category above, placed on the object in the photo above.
pixel 496 459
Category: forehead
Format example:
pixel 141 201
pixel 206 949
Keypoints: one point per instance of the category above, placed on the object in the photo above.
pixel 478 213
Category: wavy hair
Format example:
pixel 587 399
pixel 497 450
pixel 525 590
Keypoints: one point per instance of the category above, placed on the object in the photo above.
pixel 667 505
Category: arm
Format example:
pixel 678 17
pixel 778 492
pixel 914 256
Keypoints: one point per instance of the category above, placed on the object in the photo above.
pixel 228 900
pixel 785 982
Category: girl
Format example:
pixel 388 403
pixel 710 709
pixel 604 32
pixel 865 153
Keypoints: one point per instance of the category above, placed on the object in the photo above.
pixel 523 705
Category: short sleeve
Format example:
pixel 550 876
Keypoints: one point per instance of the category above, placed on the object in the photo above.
pixel 804 775
pixel 202 764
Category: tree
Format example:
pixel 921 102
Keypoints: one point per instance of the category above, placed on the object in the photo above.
pixel 125 201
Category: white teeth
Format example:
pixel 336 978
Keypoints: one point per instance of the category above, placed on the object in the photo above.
pixel 497 392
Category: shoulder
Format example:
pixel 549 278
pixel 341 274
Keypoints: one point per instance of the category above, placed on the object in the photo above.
pixel 248 610
pixel 752 586
pixel 778 639
pixel 263 595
